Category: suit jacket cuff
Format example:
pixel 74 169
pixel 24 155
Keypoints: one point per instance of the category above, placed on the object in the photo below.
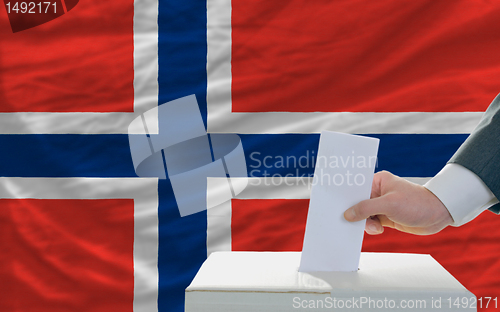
pixel 462 192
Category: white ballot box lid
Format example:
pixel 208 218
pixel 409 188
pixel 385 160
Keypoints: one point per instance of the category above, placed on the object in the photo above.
pixel 270 281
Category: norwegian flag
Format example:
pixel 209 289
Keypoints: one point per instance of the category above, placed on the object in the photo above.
pixel 81 232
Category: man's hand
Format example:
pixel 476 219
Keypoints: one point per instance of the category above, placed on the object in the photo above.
pixel 402 205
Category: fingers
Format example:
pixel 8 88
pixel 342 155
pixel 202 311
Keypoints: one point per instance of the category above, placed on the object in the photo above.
pixel 367 208
pixel 380 202
pixel 386 222
pixel 380 179
pixel 373 226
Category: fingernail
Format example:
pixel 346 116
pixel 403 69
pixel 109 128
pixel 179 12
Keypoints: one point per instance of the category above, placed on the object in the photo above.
pixel 351 214
pixel 373 228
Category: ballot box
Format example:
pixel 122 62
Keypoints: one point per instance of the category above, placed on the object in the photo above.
pixel 271 282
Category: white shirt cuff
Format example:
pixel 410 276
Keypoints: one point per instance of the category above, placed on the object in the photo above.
pixel 462 192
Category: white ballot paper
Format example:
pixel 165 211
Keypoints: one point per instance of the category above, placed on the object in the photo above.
pixel 342 177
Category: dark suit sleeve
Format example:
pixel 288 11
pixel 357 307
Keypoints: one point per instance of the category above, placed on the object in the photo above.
pixel 480 153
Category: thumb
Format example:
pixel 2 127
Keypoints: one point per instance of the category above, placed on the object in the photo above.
pixel 367 208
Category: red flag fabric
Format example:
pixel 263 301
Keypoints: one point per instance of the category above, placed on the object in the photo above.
pixel 364 56
pixel 82 61
pixel 87 248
